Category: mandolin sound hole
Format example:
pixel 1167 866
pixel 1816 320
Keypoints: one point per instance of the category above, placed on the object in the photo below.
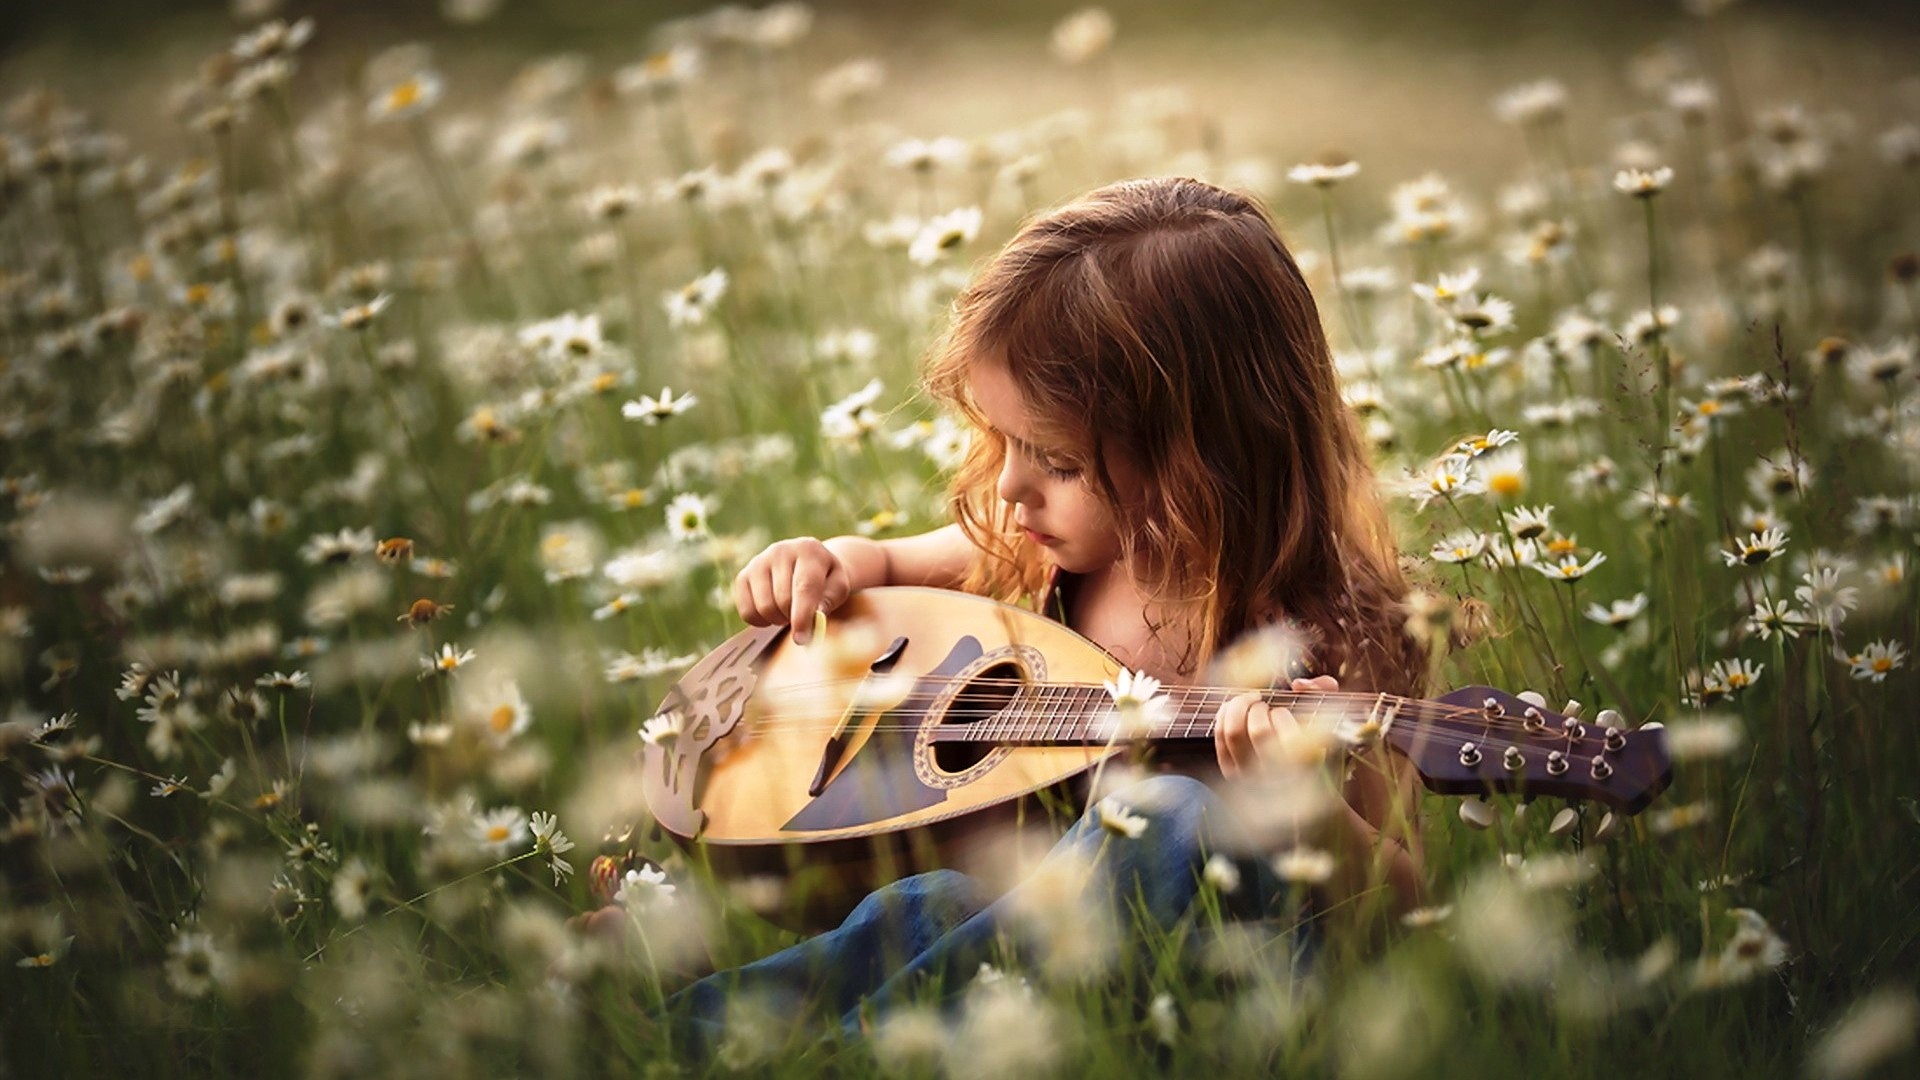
pixel 985 694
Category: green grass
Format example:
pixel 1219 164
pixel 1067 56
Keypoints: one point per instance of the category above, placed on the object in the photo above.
pixel 133 360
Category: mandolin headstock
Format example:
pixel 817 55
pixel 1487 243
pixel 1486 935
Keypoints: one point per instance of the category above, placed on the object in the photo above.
pixel 1479 740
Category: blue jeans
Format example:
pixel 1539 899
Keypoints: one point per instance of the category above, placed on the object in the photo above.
pixel 936 929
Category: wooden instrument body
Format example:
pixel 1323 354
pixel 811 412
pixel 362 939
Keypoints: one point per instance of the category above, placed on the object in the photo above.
pixel 747 776
pixel 758 714
pixel 922 717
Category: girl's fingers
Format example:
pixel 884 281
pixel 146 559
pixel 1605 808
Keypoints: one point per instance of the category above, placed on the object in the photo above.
pixel 1261 733
pixel 808 585
pixel 762 585
pixel 1235 747
pixel 836 589
pixel 1318 682
pixel 1229 724
pixel 784 573
pixel 743 597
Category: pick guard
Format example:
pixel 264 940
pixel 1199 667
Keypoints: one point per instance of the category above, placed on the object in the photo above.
pixel 881 781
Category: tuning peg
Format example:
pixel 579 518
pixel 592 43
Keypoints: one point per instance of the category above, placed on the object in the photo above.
pixel 1607 827
pixel 1564 821
pixel 1533 697
pixel 1610 718
pixel 1571 708
pixel 1477 812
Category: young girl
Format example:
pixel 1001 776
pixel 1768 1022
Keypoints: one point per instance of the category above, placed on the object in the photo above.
pixel 1164 455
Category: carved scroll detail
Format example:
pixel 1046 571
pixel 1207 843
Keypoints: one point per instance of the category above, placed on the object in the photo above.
pixel 711 698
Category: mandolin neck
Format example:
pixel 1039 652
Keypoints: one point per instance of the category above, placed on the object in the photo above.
pixel 1077 714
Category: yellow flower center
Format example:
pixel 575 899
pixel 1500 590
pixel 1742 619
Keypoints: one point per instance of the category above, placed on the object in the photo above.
pixel 1882 664
pixel 407 93
pixel 502 718
pixel 498 834
pixel 1506 484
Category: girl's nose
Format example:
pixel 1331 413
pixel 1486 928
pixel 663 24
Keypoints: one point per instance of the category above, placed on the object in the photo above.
pixel 1014 485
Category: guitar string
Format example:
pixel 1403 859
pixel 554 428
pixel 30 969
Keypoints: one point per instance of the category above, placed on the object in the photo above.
pixel 1183 696
pixel 1181 692
pixel 1470 724
pixel 1012 727
pixel 1492 750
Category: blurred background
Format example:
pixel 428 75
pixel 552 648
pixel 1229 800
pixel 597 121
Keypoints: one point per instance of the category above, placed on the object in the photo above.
pixel 1389 82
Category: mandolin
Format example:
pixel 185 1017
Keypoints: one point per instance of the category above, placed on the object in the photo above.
pixel 926 714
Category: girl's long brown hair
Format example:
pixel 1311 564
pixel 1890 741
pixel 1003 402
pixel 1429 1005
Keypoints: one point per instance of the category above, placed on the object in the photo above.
pixel 1167 316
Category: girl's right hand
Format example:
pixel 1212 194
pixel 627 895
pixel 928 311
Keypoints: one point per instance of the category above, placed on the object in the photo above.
pixel 788 582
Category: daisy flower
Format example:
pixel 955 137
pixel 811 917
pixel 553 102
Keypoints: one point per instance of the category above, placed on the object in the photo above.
pixel 409 97
pixel 1877 660
pixel 1447 289
pixel 1777 617
pixel 1463 546
pixel 1222 873
pixel 1082 35
pixel 1115 817
pixel 1532 103
pixel 619 605
pixel 651 410
pixel 690 304
pixel 323 548
pixel 687 517
pixel 663 729
pixel 1528 522
pixel 944 234
pixel 501 829
pixel 1451 475
pixel 1475 445
pixel 1642 183
pixel 360 316
pixel 448 660
pixel 924 155
pixel 642 887
pixel 172 785
pixel 1618 613
pixel 1138 704
pixel 1503 472
pixel 1728 677
pixel 1569 568
pixel 548 838
pixel 853 417
pixel 1323 176
pixel 352 888
pixel 1826 599
pixel 1304 865
pixel 290 680
pixel 503 710
pixel 1756 549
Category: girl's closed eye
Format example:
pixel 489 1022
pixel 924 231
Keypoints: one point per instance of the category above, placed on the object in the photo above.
pixel 1059 470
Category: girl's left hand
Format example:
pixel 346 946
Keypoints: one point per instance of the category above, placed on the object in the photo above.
pixel 1246 730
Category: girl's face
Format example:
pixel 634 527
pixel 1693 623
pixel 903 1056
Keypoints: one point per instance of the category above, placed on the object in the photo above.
pixel 1052 493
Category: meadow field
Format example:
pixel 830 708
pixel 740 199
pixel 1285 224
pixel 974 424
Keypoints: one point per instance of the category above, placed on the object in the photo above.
pixel 386 408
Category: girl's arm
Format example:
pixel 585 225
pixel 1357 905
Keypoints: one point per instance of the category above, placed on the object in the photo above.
pixel 939 558
pixel 792 579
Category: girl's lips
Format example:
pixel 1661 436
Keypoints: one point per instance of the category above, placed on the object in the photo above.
pixel 1040 538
